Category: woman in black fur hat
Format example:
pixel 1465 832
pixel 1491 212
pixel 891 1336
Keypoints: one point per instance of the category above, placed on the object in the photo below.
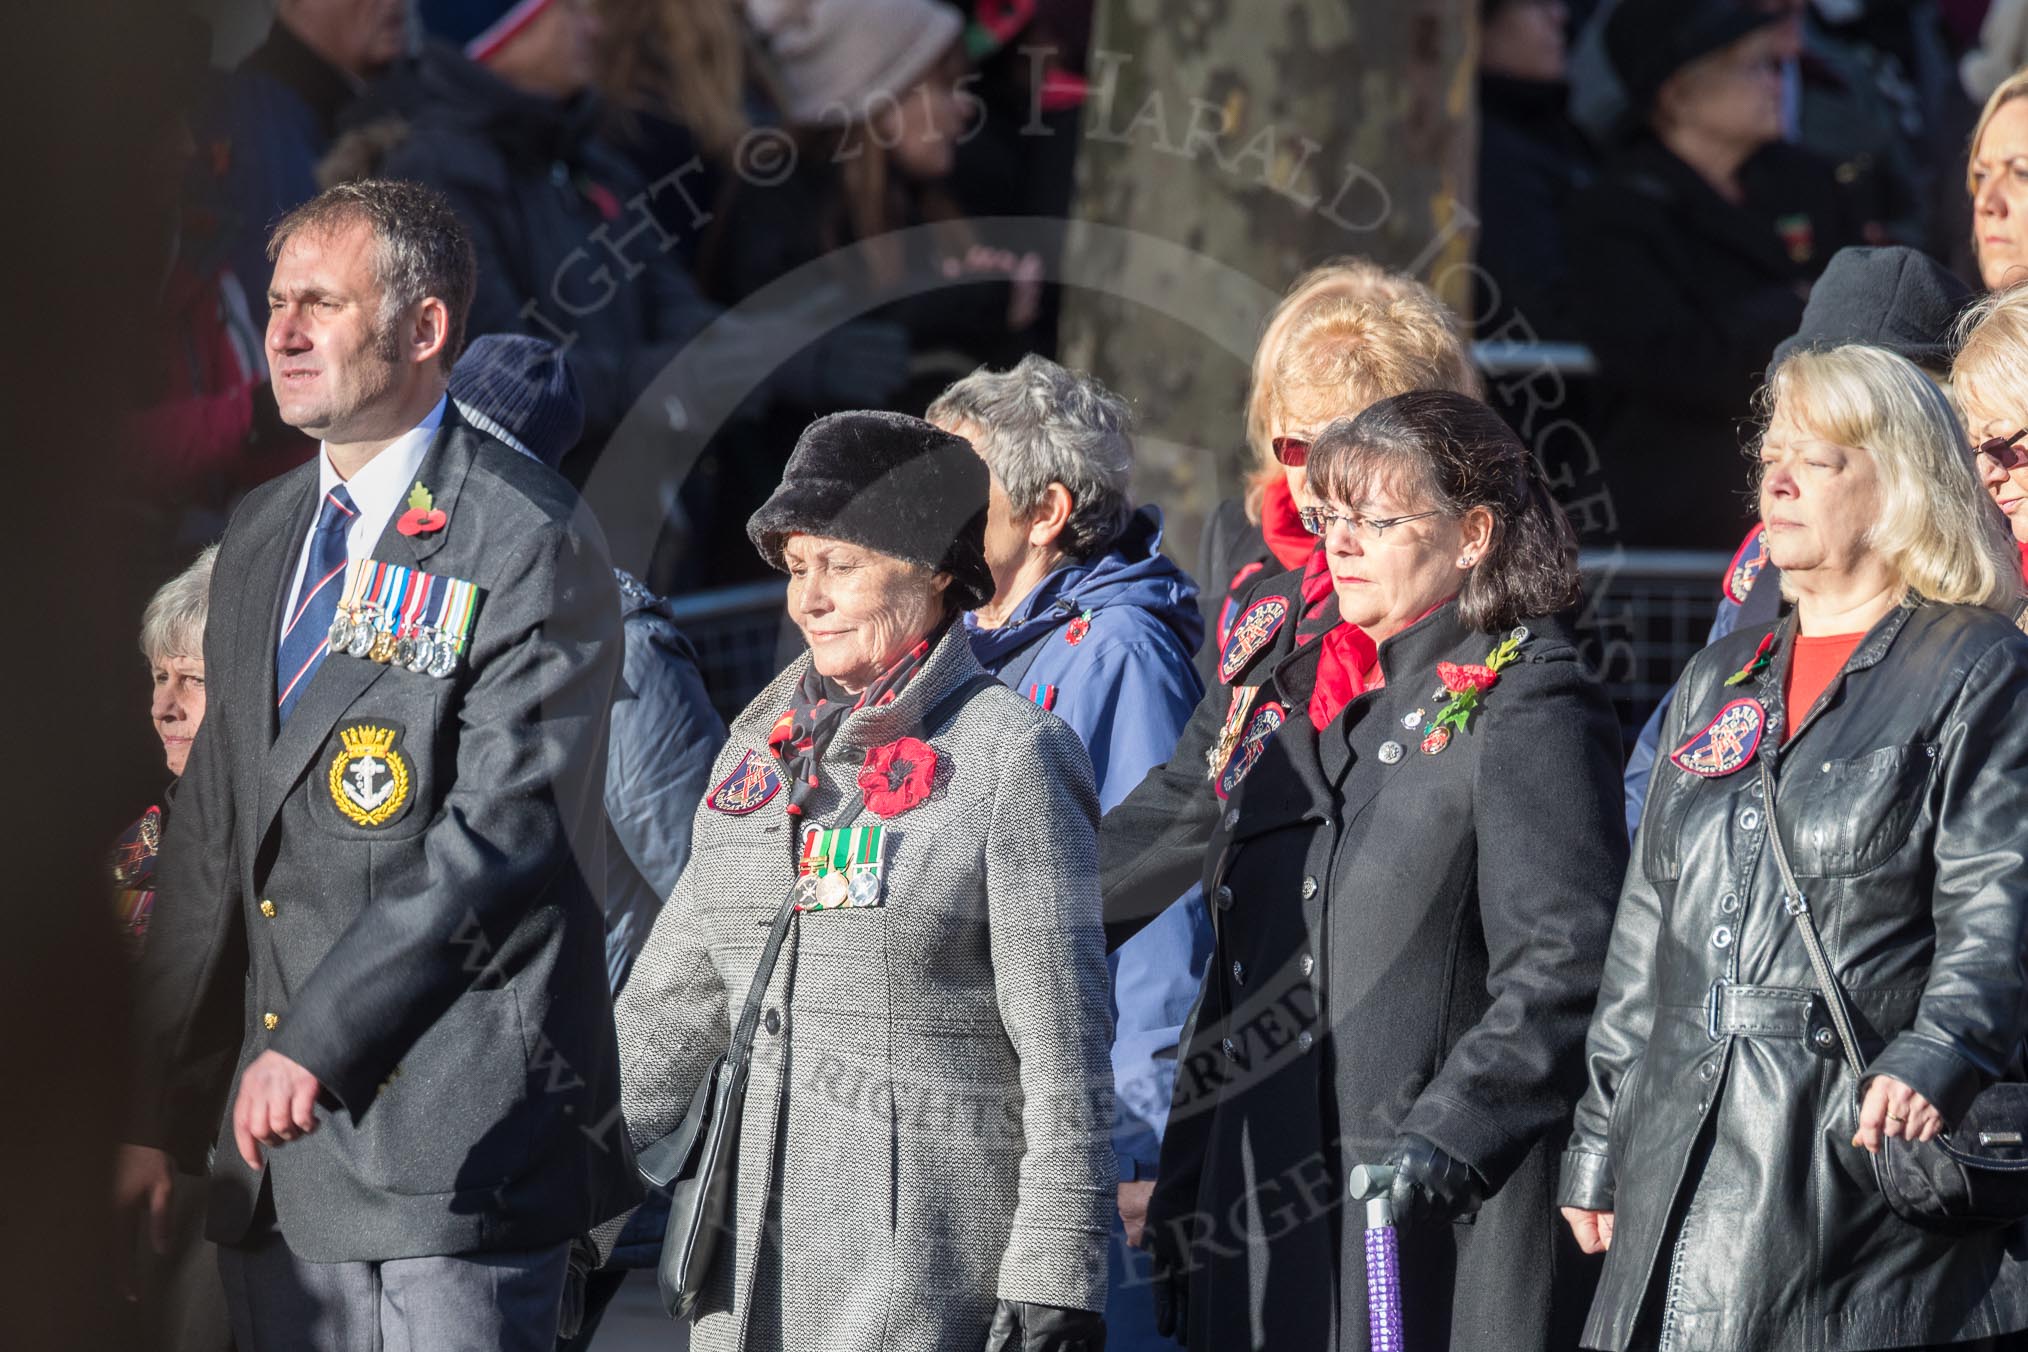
pixel 925 1151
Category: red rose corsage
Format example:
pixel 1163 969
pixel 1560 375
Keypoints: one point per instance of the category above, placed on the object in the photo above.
pixel 895 777
pixel 1461 676
pixel 1464 682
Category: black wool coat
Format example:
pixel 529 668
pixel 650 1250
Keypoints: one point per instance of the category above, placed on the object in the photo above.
pixel 1683 296
pixel 1719 1117
pixel 1406 942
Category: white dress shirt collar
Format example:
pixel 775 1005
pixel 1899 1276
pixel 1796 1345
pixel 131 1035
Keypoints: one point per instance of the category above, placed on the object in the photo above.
pixel 382 485
pixel 377 491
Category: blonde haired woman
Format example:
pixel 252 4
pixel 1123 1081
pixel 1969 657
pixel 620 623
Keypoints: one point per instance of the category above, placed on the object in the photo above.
pixel 1348 334
pixel 1996 176
pixel 1990 382
pixel 1719 1157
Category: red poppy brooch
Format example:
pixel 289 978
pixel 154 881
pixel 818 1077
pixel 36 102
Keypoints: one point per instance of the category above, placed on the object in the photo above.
pixel 895 777
pixel 1463 683
pixel 423 516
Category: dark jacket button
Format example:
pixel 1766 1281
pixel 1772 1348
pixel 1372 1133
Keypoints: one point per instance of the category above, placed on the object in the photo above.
pixel 1224 898
pixel 772 1021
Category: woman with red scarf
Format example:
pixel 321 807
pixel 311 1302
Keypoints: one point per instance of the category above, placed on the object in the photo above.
pixel 1412 874
pixel 1348 332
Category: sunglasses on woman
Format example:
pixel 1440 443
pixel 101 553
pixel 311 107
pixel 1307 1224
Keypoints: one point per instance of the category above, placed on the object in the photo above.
pixel 2006 452
pixel 1291 451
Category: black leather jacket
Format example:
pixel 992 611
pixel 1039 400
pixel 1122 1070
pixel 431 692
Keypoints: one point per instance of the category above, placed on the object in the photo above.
pixel 1718 1123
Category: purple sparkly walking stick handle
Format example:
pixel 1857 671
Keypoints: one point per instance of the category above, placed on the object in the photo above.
pixel 1370 1183
pixel 1383 1289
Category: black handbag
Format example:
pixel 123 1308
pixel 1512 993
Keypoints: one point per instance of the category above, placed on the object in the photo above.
pixel 1971 1178
pixel 698 1162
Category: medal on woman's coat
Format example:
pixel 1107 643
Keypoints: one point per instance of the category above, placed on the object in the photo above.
pixel 1266 722
pixel 840 868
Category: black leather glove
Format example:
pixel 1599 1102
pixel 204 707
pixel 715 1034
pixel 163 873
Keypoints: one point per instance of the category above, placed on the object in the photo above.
pixel 1170 1270
pixel 1430 1187
pixel 1021 1327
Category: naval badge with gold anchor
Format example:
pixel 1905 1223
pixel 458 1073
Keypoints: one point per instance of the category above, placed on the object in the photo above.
pixel 369 779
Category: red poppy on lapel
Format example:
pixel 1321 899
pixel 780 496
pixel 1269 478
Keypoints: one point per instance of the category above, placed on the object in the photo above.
pixel 895 777
pixel 423 517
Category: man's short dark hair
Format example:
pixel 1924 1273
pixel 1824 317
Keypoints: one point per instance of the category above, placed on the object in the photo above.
pixel 421 249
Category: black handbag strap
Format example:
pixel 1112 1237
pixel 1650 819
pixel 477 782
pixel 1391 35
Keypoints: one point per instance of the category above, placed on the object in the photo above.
pixel 1798 906
pixel 778 931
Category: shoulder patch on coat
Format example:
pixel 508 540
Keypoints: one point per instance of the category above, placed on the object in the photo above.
pixel 1727 742
pixel 751 785
pixel 1746 565
pixel 1253 631
pixel 1267 720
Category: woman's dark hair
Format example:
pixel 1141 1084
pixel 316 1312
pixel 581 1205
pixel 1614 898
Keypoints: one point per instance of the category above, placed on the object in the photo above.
pixel 1454 453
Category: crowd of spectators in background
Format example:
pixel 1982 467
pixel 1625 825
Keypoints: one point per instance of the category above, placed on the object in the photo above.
pixel 630 170
pixel 638 175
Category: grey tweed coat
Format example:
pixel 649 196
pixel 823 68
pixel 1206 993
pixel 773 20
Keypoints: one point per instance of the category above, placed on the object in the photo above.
pixel 927 1126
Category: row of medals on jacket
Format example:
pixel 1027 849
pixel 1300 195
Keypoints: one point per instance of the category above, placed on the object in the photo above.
pixel 419 648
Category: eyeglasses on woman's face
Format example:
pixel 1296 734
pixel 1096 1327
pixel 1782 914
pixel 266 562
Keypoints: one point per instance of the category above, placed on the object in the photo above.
pixel 2006 452
pixel 1318 521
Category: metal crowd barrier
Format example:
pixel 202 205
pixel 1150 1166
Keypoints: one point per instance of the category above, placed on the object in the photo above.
pixel 1647 612
pixel 1515 359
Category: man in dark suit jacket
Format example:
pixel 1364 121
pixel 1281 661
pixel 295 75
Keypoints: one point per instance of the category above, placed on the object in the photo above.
pixel 384 841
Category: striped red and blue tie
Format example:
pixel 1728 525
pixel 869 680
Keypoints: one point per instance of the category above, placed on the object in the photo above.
pixel 306 630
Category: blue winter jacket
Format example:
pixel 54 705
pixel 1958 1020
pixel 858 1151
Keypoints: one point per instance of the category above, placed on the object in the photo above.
pixel 1107 646
pixel 665 735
